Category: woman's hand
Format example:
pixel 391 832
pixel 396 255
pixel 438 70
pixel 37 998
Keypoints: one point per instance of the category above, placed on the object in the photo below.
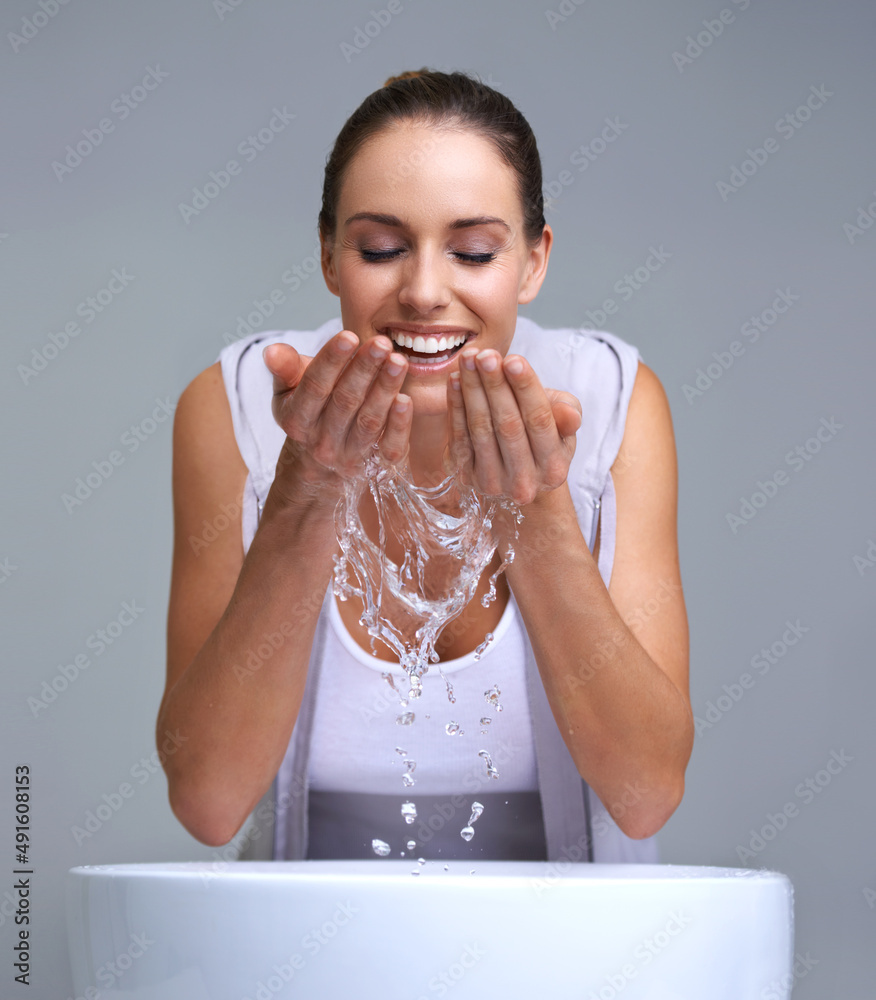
pixel 510 436
pixel 335 406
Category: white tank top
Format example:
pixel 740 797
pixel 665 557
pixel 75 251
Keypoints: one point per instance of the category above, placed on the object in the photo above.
pixel 356 733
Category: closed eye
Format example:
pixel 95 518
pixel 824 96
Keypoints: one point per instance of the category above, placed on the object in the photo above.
pixel 375 256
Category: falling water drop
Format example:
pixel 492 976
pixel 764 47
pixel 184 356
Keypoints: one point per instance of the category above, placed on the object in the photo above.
pixel 380 848
pixel 492 697
pixel 405 719
pixel 466 833
pixel 491 770
pixel 479 652
pixel 411 844
pixel 452 729
pixel 409 811
pixel 408 777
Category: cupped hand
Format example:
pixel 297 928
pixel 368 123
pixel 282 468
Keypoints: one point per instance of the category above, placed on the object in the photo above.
pixel 336 406
pixel 510 436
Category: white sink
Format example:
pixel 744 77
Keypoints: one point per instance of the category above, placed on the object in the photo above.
pixel 326 930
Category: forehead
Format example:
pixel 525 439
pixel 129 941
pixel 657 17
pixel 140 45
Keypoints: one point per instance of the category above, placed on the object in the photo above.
pixel 427 167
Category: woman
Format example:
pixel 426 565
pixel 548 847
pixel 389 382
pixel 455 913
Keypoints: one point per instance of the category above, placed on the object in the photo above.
pixel 432 233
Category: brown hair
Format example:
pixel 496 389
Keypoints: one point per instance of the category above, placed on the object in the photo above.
pixel 445 100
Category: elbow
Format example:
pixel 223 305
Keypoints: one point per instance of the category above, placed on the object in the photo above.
pixel 646 811
pixel 208 814
pixel 208 824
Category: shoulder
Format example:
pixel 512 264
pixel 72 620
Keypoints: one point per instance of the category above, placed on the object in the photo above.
pixel 648 439
pixel 204 444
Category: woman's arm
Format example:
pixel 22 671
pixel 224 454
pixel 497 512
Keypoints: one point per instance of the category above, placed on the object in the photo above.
pixel 614 662
pixel 233 725
pixel 240 630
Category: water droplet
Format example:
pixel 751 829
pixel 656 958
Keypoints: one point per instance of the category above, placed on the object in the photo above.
pixel 466 833
pixel 380 848
pixel 410 766
pixel 476 812
pixel 409 811
pixel 486 720
pixel 400 752
pixel 411 844
pixel 405 719
pixel 421 861
pixel 492 697
pixel 407 780
pixel 491 770
pixel 416 871
pixel 479 652
pixel 452 729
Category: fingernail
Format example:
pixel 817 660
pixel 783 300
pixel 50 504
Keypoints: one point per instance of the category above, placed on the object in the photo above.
pixel 468 360
pixel 488 360
pixel 454 381
pixel 346 345
pixel 394 364
pixel 514 366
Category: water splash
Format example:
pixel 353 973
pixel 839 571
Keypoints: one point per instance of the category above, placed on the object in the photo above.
pixel 446 536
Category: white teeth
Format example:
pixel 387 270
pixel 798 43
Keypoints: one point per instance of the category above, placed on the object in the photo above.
pixel 428 345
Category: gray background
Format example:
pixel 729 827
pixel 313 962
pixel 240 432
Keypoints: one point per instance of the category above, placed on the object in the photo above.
pixel 67 573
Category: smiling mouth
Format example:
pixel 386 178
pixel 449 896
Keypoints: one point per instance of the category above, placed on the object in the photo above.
pixel 428 350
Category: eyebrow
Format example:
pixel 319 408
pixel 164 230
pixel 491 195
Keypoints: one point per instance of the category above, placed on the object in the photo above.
pixel 395 221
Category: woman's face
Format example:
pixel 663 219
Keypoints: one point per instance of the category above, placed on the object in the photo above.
pixel 430 245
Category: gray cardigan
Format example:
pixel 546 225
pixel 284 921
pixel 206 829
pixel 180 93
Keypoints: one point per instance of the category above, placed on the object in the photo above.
pixel 597 367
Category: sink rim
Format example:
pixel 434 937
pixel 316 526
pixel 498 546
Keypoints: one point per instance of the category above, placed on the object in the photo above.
pixel 397 869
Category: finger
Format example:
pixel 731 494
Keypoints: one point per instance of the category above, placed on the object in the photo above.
pixel 458 438
pixel 487 463
pixel 286 365
pixel 508 423
pixel 318 380
pixel 567 412
pixel 352 386
pixel 535 408
pixel 395 441
pixel 370 420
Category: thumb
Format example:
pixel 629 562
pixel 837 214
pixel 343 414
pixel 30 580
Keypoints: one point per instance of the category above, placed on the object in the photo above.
pixel 286 365
pixel 567 412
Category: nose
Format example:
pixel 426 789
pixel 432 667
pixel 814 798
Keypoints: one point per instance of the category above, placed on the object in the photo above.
pixel 425 282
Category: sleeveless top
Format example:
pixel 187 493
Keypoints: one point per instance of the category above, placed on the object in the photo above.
pixel 414 787
pixel 599 368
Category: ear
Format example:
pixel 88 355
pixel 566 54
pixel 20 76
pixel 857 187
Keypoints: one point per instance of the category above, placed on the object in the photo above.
pixel 329 271
pixel 536 266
